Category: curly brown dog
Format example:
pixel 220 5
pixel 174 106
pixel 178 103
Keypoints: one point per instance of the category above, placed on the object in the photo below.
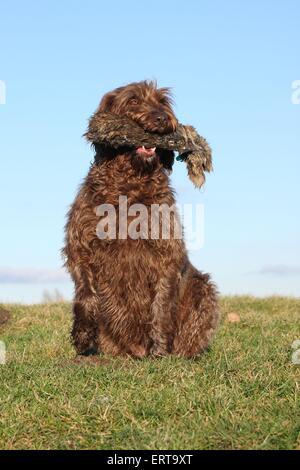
pixel 137 296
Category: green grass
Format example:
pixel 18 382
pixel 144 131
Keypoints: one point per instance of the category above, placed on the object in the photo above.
pixel 242 394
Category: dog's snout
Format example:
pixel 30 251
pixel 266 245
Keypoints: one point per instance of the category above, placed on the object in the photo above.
pixel 160 118
pixel 158 121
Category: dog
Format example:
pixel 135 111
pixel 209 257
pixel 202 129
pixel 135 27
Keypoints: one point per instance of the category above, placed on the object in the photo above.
pixel 137 296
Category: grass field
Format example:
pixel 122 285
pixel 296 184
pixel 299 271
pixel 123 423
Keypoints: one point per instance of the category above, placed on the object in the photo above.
pixel 242 394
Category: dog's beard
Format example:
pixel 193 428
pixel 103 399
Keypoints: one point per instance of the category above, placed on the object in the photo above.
pixel 143 163
pixel 147 165
pixel 140 162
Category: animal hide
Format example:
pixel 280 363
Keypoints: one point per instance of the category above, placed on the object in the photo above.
pixel 119 131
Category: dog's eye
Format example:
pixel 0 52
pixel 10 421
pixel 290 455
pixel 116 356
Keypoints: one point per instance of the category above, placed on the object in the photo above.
pixel 133 101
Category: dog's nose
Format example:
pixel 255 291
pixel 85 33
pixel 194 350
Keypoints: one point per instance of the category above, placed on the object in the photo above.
pixel 161 118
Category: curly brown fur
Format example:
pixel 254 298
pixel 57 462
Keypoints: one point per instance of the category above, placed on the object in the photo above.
pixel 135 296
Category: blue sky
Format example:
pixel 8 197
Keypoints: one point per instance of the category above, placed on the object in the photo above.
pixel 231 66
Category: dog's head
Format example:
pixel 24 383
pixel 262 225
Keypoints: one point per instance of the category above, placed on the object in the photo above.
pixel 150 107
pixel 144 103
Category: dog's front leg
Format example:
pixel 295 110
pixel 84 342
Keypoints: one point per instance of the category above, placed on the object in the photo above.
pixel 163 311
pixel 86 306
pixel 85 331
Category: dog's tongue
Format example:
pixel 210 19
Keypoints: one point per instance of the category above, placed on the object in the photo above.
pixel 148 152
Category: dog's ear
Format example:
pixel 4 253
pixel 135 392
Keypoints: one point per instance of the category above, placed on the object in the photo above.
pixel 107 102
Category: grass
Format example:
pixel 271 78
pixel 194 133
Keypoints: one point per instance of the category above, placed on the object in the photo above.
pixel 242 394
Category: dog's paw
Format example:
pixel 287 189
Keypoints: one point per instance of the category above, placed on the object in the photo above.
pixel 88 352
pixel 137 350
pixel 158 350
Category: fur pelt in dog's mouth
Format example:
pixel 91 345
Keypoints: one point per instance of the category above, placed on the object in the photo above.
pixel 119 131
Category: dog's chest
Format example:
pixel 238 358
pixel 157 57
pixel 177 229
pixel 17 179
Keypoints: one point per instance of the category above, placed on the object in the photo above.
pixel 132 208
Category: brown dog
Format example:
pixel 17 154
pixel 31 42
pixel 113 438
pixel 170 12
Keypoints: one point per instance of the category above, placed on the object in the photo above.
pixel 135 295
